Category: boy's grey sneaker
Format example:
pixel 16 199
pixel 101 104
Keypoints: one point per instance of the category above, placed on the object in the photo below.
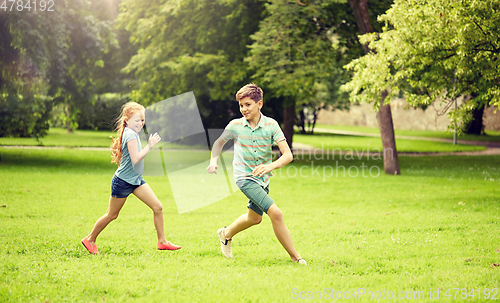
pixel 302 261
pixel 225 244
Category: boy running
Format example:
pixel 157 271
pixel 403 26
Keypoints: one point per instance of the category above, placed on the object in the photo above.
pixel 253 137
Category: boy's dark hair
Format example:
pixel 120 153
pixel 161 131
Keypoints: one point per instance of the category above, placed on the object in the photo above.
pixel 250 90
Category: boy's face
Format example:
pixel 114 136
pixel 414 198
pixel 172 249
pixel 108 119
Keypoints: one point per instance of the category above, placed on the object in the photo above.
pixel 250 109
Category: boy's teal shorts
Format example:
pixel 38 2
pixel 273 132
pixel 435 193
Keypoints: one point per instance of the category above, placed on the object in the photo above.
pixel 258 197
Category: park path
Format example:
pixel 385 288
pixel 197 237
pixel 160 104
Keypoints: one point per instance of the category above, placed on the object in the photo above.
pixel 306 150
pixel 492 148
pixel 351 133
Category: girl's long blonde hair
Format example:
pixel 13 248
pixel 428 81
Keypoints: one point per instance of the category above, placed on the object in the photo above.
pixel 128 110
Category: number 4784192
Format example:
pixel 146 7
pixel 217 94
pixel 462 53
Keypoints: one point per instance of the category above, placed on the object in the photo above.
pixel 27 5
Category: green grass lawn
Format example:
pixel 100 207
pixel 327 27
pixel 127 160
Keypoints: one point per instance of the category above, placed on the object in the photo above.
pixel 491 135
pixel 332 142
pixel 434 227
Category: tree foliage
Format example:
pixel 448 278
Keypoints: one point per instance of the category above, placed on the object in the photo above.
pixel 49 58
pixel 191 45
pixel 300 48
pixel 295 53
pixel 88 39
pixel 432 50
pixel 26 50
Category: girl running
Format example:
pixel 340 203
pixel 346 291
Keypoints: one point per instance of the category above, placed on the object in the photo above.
pixel 127 153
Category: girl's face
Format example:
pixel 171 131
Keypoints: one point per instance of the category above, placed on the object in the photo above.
pixel 136 122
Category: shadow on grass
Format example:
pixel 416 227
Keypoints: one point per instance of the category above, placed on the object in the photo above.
pixel 68 159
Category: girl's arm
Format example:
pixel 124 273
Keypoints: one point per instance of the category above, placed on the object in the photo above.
pixel 133 151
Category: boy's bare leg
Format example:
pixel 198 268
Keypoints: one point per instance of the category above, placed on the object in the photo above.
pixel 282 232
pixel 243 222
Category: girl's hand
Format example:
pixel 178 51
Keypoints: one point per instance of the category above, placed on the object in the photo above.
pixel 153 140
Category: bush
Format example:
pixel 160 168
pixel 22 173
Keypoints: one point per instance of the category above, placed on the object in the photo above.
pixel 99 115
pixel 24 116
pixel 102 114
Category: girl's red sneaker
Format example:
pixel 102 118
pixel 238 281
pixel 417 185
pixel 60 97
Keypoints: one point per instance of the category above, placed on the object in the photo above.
pixel 168 246
pixel 92 249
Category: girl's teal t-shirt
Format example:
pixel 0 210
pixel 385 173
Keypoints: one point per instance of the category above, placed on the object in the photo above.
pixel 128 171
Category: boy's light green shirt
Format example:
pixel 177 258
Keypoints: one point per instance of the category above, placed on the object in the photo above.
pixel 252 147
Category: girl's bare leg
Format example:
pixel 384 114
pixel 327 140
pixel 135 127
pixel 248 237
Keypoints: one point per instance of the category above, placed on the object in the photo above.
pixel 115 205
pixel 146 195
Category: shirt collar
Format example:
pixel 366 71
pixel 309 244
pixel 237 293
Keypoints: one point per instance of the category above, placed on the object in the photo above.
pixel 260 124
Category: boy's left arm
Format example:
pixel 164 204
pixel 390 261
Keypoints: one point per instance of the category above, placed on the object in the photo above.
pixel 286 157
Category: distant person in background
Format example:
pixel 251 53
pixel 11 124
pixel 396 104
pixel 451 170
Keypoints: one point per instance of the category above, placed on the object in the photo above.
pixel 126 151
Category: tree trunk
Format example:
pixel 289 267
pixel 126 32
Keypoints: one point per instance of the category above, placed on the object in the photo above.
pixel 314 121
pixel 288 122
pixel 360 11
pixel 68 122
pixel 384 116
pixel 302 121
pixel 476 127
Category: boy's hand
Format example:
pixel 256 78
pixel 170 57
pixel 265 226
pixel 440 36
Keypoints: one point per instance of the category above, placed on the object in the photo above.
pixel 261 170
pixel 212 168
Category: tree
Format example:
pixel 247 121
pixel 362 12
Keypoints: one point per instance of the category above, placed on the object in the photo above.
pixel 475 125
pixel 191 46
pixel 27 50
pixel 433 50
pixel 384 115
pixel 295 54
pixel 87 40
pixel 110 87
pixel 48 58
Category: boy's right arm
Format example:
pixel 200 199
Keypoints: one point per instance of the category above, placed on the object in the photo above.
pixel 216 150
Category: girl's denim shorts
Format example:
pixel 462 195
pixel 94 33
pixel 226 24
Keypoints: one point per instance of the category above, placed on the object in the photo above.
pixel 122 189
